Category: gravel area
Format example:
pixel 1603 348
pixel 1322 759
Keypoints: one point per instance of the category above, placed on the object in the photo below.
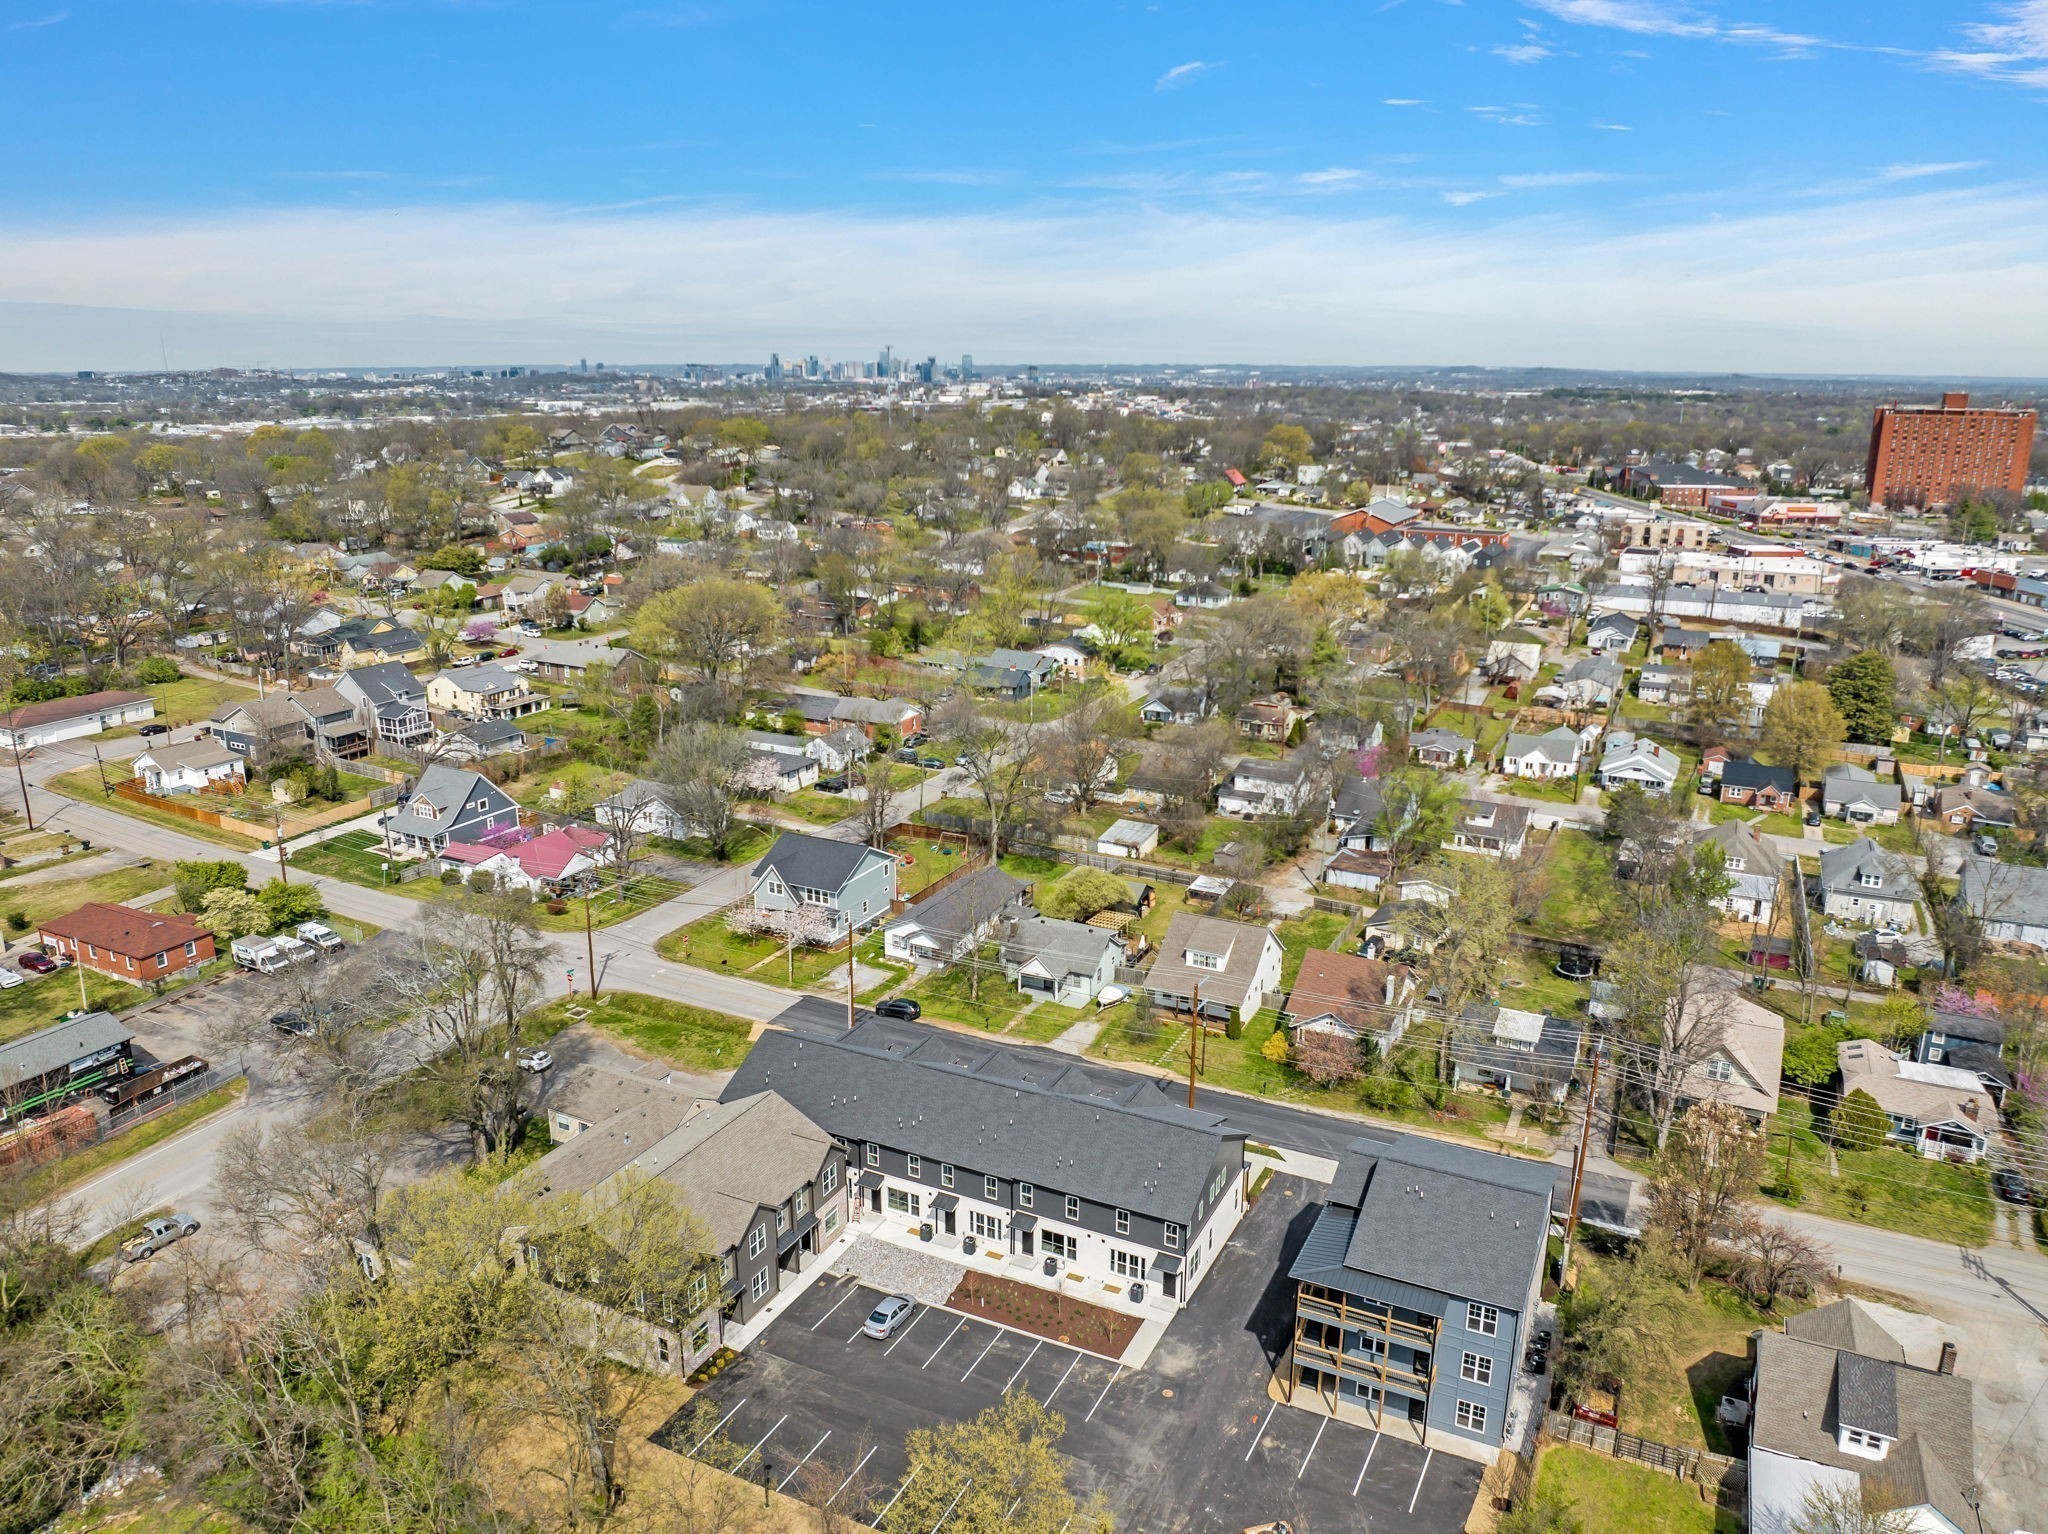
pixel 927 1279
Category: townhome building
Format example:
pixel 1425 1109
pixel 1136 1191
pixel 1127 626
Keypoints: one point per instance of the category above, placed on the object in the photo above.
pixel 1109 1179
pixel 1415 1290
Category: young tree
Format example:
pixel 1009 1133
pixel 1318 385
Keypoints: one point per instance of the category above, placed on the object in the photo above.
pixel 1418 809
pixel 999 1472
pixel 1862 1505
pixel 701 768
pixel 1327 1059
pixel 1624 1330
pixel 877 814
pixel 1802 728
pixel 1705 1177
pixel 1858 1123
pixel 1079 893
pixel 1673 1003
pixel 1865 691
pixel 232 913
pixel 1720 689
pixel 1079 755
pixel 1778 1260
pixel 996 757
pixel 196 879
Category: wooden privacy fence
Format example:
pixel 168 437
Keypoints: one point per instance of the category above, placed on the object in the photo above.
pixel 132 790
pixel 1717 1472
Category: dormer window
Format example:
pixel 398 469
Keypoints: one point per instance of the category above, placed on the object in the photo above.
pixel 1199 960
pixel 1719 1069
pixel 1863 1443
pixel 1733 865
pixel 1870 879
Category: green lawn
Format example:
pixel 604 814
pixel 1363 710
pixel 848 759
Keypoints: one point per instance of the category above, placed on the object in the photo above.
pixel 1890 1187
pixel 708 943
pixel 583 783
pixel 1615 1494
pixel 1580 900
pixel 37 903
pixel 949 994
pixel 185 701
pixel 820 809
pixel 85 787
pixel 41 1002
pixel 1315 929
pixel 1531 983
pixel 1048 1020
pixel 753 840
pixel 693 1037
pixel 1031 869
pixel 929 863
pixel 352 856
pixel 1893 838
pixel 1556 790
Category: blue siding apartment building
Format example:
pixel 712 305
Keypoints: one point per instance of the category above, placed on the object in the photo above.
pixel 1415 1288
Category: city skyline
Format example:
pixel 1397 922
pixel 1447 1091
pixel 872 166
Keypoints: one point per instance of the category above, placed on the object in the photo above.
pixel 1579 183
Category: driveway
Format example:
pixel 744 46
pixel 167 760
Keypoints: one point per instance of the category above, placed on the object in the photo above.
pixel 1190 1442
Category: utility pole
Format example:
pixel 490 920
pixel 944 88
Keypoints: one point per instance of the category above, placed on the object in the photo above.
pixel 1194 1036
pixel 589 943
pixel 849 972
pixel 28 813
pixel 277 823
pixel 1571 1224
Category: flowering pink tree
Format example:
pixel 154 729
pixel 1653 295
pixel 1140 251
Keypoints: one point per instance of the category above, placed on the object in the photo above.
pixel 1369 761
pixel 1953 998
pixel 477 630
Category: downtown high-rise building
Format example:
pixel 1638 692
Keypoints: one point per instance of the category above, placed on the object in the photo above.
pixel 1935 455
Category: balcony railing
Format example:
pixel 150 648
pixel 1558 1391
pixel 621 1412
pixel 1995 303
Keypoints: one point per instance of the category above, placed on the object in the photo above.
pixel 1356 1318
pixel 1357 1366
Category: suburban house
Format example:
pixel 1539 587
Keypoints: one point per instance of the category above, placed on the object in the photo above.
pixel 1553 754
pixel 644 808
pixel 1584 684
pixel 768 1184
pixel 396 643
pixel 1013 674
pixel 390 698
pixel 131 945
pixel 823 713
pixel 851 886
pixel 189 769
pixel 1972 806
pixel 481 738
pixel 1740 1046
pixel 1628 758
pixel 1440 748
pixel 1611 631
pixel 1856 795
pixel 1505 1049
pixel 450 804
pixel 781 763
pixel 1513 660
pixel 261 727
pixel 29 725
pixel 1350 997
pixel 1178 705
pixel 843 749
pixel 1755 872
pixel 1213 967
pixel 1760 787
pixel 1206 595
pixel 2010 899
pixel 1975 1044
pixel 553 863
pixel 1128 839
pixel 1661 684
pixel 1067 962
pixel 1417 1286
pixel 1110 1177
pixel 1835 1406
pixel 1489 827
pixel 333 723
pixel 483 692
pixel 1942 1111
pixel 1259 789
pixel 568 660
pixel 1865 884
pixel 951 923
pixel 1271 718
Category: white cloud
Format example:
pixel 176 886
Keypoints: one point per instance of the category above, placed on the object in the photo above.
pixel 2012 48
pixel 1511 117
pixel 1181 74
pixel 1531 52
pixel 1640 16
pixel 1335 176
pixel 1550 178
pixel 1961 277
pixel 1402 101
pixel 1466 199
pixel 1614 127
pixel 1916 172
pixel 31 23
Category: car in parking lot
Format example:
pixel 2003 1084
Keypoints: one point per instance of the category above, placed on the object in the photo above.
pixel 2010 1186
pixel 294 1022
pixel 157 1234
pixel 914 738
pixel 894 1310
pixel 901 1007
pixel 38 963
pixel 9 980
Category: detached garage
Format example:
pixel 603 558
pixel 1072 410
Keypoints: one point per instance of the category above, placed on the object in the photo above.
pixel 44 724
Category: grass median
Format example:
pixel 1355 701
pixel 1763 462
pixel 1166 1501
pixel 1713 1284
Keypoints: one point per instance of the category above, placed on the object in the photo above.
pixel 57 1177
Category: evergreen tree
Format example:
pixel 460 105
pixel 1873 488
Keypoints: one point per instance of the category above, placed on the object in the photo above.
pixel 1865 690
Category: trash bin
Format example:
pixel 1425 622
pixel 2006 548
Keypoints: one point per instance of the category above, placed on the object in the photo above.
pixel 924 1231
pixel 1052 1267
pixel 967 1245
pixel 1137 1294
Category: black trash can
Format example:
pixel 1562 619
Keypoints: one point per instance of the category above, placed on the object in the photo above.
pixel 924 1231
pixel 1137 1294
pixel 967 1245
pixel 1052 1266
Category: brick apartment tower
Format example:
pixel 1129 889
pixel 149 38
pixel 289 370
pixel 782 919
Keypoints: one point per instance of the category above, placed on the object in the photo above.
pixel 1928 455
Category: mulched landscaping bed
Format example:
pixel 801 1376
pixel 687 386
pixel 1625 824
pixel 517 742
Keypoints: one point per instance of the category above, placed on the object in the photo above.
pixel 1044 1313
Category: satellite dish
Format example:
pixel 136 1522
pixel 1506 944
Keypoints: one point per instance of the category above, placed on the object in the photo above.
pixel 675 695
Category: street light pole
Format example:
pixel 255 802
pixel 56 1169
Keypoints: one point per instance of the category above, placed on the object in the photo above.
pixel 589 946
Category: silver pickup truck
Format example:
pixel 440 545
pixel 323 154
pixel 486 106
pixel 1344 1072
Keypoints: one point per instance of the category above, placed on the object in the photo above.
pixel 155 1235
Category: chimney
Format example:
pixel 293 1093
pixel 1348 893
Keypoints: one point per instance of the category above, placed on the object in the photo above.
pixel 1390 988
pixel 1948 1359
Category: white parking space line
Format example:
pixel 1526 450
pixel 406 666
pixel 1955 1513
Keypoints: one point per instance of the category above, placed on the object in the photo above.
pixel 942 1346
pixel 757 1447
pixel 1105 1391
pixel 803 1462
pixel 905 1332
pixel 1261 1433
pixel 851 1291
pixel 978 1357
pixel 1311 1448
pixel 899 1492
pixel 721 1422
pixel 851 1474
pixel 1418 1480
pixel 1063 1379
pixel 1012 1380
pixel 1368 1462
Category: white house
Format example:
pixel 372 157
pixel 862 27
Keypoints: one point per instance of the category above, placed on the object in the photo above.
pixel 1213 967
pixel 1628 758
pixel 44 724
pixel 189 768
pixel 1553 754
pixel 1067 962
pixel 952 923
pixel 1128 839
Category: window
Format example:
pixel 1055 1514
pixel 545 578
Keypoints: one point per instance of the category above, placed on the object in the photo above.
pixel 1123 1222
pixel 1173 1238
pixel 727 1268
pixel 831 1221
pixel 700 1338
pixel 1477 1368
pixel 1126 1264
pixel 1061 1245
pixel 1718 1069
pixel 192 950
pixel 945 1174
pixel 1025 1194
pixel 1073 1207
pixel 1471 1417
pixel 990 1190
pixel 759 1287
pixel 1203 960
pixel 757 1241
pixel 661 1347
pixel 874 1154
pixel 1483 1319
pixel 781 1219
pixel 915 1166
pixel 564 1124
pixel 986 1226
pixel 904 1203
pixel 829 1178
pixel 803 1202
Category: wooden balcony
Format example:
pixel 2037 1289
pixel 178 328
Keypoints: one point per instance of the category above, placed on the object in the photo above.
pixel 1312 1303
pixel 1357 1366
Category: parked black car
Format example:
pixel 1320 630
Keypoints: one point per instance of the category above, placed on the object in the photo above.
pixel 2010 1186
pixel 900 1007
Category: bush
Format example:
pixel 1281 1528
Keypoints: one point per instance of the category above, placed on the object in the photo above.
pixel 289 904
pixel 558 907
pixel 1858 1123
pixel 157 670
pixel 17 921
pixel 451 876
pixel 1233 1027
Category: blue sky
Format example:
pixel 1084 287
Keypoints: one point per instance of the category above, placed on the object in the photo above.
pixel 1853 186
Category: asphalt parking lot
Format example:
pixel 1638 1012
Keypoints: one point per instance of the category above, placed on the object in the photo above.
pixel 1189 1442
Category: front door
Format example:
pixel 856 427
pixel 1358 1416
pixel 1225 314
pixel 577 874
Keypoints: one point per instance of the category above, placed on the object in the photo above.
pixel 1169 1285
pixel 951 1228
pixel 875 1200
pixel 1024 1239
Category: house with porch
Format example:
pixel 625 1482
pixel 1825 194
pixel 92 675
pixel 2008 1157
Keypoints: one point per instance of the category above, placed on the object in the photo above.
pixel 998 1151
pixel 449 804
pixel 1867 885
pixel 1941 1111
pixel 488 691
pixel 1489 827
pixel 1974 1044
pixel 1551 755
pixel 1761 788
pixel 1211 967
pixel 952 923
pixel 1349 996
pixel 1629 758
pixel 1855 794
pixel 1066 962
pixel 851 886
pixel 192 768
pixel 1440 748
pixel 1756 871
pixel 1506 1049
pixel 390 700
pixel 554 863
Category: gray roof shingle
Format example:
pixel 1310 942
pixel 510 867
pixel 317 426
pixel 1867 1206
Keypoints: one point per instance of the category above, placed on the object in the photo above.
pixel 815 862
pixel 52 1049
